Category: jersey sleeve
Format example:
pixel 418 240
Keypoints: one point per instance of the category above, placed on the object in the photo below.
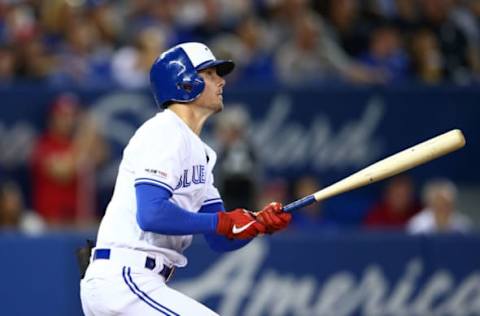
pixel 158 161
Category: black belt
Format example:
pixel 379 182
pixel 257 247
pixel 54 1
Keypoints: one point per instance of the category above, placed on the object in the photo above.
pixel 166 272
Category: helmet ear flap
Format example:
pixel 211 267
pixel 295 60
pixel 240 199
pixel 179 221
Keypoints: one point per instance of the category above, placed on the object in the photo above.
pixel 186 86
pixel 192 86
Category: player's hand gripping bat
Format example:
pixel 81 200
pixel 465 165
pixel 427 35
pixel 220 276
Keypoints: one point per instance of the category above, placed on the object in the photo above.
pixel 390 166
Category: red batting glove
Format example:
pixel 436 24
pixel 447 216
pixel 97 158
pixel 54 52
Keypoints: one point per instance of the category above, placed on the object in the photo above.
pixel 238 224
pixel 273 217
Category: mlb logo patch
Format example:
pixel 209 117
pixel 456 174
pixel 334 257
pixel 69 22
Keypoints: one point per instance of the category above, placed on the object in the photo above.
pixel 158 173
pixel 162 174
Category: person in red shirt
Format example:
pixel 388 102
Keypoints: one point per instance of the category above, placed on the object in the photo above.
pixel 396 207
pixel 54 172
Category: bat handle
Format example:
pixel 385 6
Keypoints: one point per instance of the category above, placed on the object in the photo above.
pixel 295 205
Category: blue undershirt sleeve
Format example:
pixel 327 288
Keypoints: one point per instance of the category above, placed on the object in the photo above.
pixel 218 242
pixel 155 213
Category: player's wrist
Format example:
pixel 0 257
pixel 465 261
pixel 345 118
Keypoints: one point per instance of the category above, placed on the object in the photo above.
pixel 215 222
pixel 238 224
pixel 222 223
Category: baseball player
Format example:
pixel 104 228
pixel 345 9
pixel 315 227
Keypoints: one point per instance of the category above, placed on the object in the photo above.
pixel 164 194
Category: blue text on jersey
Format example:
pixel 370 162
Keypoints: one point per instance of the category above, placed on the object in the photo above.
pixel 195 175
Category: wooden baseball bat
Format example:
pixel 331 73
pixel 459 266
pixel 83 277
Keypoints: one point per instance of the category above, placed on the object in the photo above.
pixel 390 166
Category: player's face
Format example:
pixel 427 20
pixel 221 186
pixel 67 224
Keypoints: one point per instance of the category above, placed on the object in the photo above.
pixel 211 96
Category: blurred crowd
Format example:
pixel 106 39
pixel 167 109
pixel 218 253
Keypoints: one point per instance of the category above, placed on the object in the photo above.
pixel 105 43
pixel 65 159
pixel 62 170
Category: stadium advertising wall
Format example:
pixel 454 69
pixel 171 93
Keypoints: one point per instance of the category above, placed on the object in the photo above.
pixel 314 274
pixel 329 132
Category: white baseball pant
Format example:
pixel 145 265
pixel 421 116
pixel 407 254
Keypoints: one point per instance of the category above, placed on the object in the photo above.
pixel 112 288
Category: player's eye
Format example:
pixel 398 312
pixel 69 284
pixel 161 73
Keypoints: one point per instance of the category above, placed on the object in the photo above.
pixel 210 73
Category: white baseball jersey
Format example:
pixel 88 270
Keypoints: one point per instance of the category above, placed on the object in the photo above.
pixel 164 152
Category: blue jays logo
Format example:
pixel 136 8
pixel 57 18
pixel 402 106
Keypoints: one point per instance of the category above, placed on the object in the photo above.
pixel 195 175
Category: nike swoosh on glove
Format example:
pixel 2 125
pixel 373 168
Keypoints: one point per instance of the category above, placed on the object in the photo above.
pixel 273 217
pixel 238 224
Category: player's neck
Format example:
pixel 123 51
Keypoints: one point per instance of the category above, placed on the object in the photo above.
pixel 193 116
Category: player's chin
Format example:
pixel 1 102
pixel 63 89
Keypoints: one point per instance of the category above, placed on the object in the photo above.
pixel 218 107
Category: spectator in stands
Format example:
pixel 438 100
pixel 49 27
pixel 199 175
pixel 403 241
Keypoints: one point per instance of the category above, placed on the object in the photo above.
pixel 54 173
pixel 467 18
pixel 301 59
pixel 386 54
pixel 396 207
pixel 131 64
pixel 202 19
pixel 258 57
pixel 106 16
pixel 437 16
pixel 440 214
pixel 62 164
pixel 23 34
pixel 312 57
pixel 281 18
pixel 8 61
pixel 72 42
pixel 427 59
pixel 34 60
pixel 407 16
pixel 347 25
pixel 83 59
pixel 19 23
pixel 250 48
pixel 13 215
pixel 309 217
pixel 238 170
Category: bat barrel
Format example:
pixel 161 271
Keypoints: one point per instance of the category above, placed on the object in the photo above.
pixel 390 166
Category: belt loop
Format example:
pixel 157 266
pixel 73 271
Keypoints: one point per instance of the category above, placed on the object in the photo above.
pixel 150 263
pixel 170 274
pixel 101 254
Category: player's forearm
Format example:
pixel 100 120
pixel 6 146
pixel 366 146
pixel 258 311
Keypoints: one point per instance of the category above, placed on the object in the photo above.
pixel 217 242
pixel 155 213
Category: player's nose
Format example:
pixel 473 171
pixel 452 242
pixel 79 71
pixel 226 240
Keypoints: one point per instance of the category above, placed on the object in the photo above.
pixel 221 81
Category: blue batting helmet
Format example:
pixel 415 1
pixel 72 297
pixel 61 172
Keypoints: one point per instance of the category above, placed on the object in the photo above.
pixel 174 74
